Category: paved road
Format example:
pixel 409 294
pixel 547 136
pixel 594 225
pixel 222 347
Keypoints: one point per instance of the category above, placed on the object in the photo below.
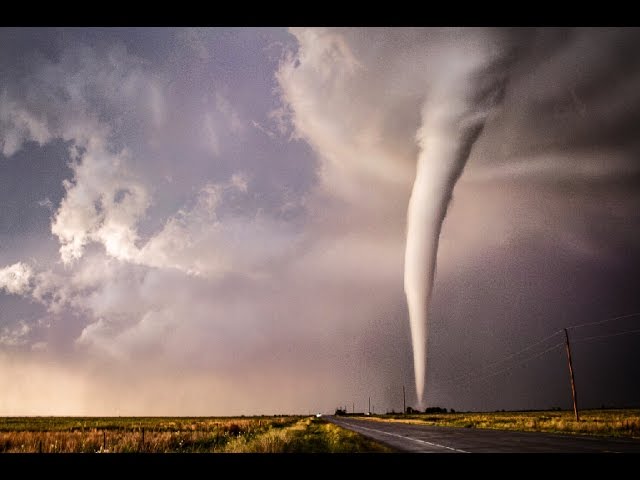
pixel 426 439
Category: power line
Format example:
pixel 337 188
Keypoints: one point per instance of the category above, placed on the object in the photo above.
pixel 533 357
pixel 604 321
pixel 529 347
pixel 508 357
pixel 606 336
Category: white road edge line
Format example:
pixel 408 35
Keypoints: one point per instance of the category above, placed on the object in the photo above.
pixel 407 438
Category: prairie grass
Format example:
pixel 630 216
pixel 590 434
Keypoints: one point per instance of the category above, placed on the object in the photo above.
pixel 611 423
pixel 178 435
pixel 308 435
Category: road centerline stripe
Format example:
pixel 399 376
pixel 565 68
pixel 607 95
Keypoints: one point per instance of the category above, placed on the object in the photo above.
pixel 407 437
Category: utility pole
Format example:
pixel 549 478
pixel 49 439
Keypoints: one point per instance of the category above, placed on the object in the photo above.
pixel 369 405
pixel 353 407
pixel 574 394
pixel 404 401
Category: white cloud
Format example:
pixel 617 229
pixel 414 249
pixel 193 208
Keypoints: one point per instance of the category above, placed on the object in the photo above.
pixel 196 241
pixel 193 240
pixel 356 113
pixel 217 123
pixel 108 196
pixel 18 125
pixel 39 346
pixel 46 203
pixel 67 99
pixel 16 278
pixel 240 182
pixel 13 337
pixel 70 99
pixel 229 113
pixel 52 290
pixel 103 203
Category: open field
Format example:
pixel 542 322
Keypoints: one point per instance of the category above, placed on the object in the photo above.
pixel 277 434
pixel 611 423
pixel 178 435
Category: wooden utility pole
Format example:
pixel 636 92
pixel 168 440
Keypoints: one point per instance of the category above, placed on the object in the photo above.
pixel 574 394
pixel 369 405
pixel 404 401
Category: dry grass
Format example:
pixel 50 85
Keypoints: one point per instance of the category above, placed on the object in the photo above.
pixel 175 435
pixel 309 435
pixel 615 423
pixel 125 435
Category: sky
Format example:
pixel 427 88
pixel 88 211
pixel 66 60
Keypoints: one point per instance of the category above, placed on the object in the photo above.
pixel 213 221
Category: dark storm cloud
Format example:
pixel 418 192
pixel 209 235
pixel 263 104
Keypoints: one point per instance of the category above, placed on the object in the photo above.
pixel 552 181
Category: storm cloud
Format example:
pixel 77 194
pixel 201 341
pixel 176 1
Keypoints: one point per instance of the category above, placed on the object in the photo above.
pixel 213 221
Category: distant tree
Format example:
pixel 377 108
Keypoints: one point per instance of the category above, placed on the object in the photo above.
pixel 435 410
pixel 340 411
pixel 411 410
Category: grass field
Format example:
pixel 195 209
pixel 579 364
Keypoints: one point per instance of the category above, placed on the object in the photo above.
pixel 285 434
pixel 278 434
pixel 615 423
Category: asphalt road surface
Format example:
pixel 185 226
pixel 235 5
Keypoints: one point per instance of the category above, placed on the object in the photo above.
pixel 426 439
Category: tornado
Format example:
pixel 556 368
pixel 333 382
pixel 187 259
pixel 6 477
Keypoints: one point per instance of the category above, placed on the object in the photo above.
pixel 467 87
